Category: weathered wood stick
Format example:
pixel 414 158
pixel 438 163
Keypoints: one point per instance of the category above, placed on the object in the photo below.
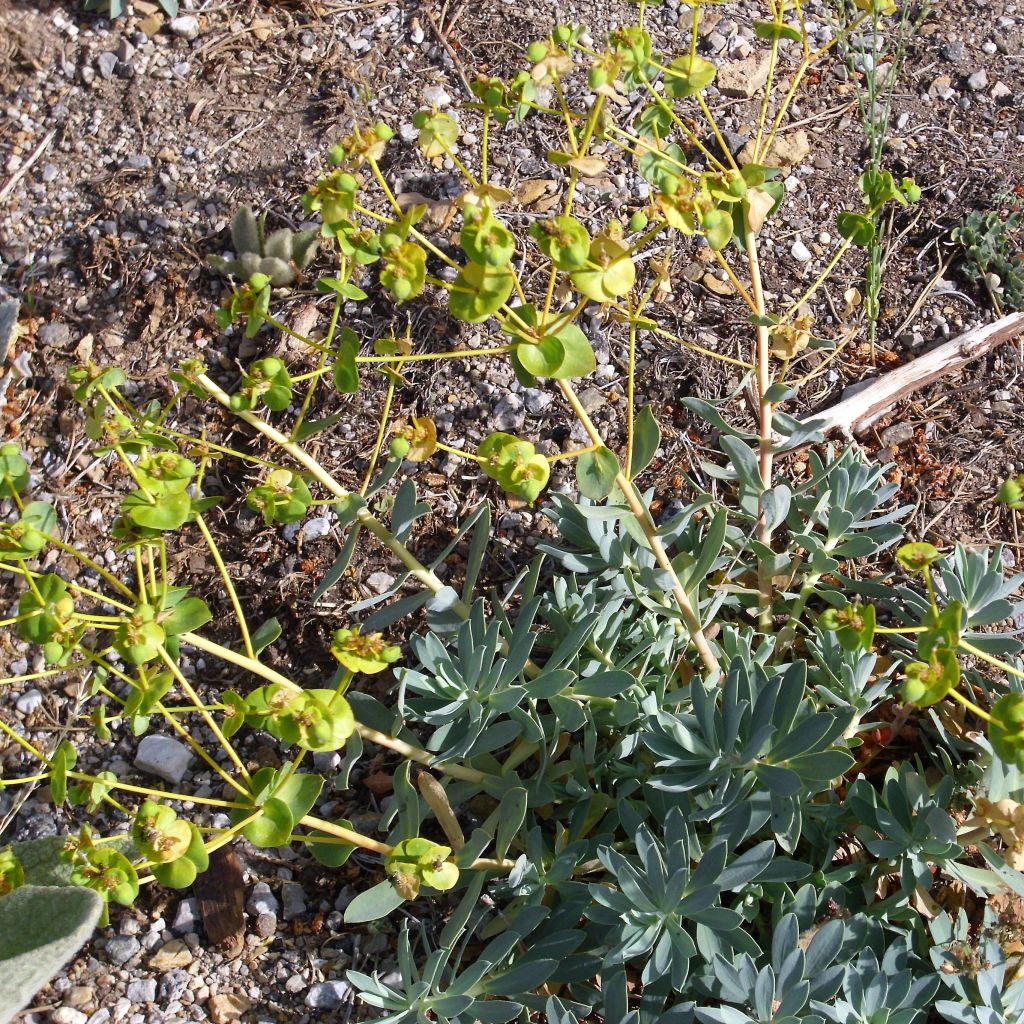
pixel 867 404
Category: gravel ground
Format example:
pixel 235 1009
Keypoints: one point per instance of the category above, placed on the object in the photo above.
pixel 124 150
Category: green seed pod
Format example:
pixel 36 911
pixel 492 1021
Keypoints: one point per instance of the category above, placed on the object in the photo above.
pixel 536 51
pixel 638 221
pixel 400 448
pixel 336 154
pixel 597 77
pixel 383 132
pixel 562 34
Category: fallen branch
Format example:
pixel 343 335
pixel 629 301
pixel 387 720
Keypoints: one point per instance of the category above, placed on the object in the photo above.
pixel 869 400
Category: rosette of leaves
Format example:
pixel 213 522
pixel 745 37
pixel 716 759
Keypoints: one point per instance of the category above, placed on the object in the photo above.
pixel 283 497
pixel 365 653
pixel 281 255
pixel 174 847
pixel 905 825
pixel 801 969
pixel 316 719
pixel 47 613
pixel 991 254
pixel 415 862
pixel 561 353
pixel 515 465
pixel 265 381
pixel 280 800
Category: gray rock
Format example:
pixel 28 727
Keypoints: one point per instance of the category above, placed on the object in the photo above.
pixel 953 51
pixel 105 64
pixel 54 334
pixel 142 990
pixel 164 757
pixel 294 900
pixel 188 918
pixel 326 761
pixel 121 948
pixel 186 26
pixel 978 81
pixel 717 42
pixel 262 900
pixel 316 528
pixel 536 400
pixel 897 434
pixel 173 984
pixel 379 582
pixel 29 702
pixel 593 399
pixel 329 995
pixel 139 162
pixel 266 926
pixel 1000 91
pixel 509 414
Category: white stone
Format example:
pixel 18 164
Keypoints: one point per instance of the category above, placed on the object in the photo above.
pixel 379 582
pixel 186 26
pixel 29 701
pixel 163 757
pixel 800 251
pixel 316 528
pixel 68 1015
pixel 436 96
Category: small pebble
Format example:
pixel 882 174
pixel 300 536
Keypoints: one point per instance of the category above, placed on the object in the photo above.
pixel 186 26
pixel 164 757
pixel 121 948
pixel 188 916
pixel 142 990
pixel 262 900
pixel 329 995
pixel 28 702
pixel 68 1015
pixel 800 252
pixel 977 81
pixel 294 900
pixel 436 96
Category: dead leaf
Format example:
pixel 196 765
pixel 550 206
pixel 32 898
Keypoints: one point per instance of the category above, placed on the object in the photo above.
pixel 440 212
pixel 589 166
pixel 379 783
pixel 759 204
pixel 531 190
pixel 543 205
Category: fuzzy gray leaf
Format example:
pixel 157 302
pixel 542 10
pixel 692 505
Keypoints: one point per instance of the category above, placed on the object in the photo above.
pixel 41 929
pixel 245 232
pixel 279 244
pixel 304 246
pixel 279 272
